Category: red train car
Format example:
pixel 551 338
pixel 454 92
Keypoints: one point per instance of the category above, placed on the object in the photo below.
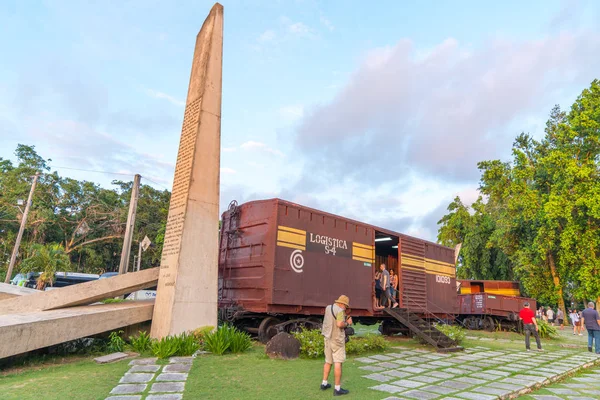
pixel 281 264
pixel 491 305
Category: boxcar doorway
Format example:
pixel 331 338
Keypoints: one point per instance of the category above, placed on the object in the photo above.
pixel 386 252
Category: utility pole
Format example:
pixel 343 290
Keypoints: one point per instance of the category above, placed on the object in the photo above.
pixel 139 257
pixel 130 223
pixel 15 252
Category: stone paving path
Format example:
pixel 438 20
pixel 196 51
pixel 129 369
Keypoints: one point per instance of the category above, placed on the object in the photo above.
pixel 148 380
pixel 478 373
pixel 582 387
pixel 571 341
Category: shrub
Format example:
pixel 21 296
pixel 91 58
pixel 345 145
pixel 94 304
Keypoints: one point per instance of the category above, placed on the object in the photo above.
pixel 546 330
pixel 312 344
pixel 227 338
pixel 200 335
pixel 240 341
pixel 454 332
pixel 110 301
pixel 166 347
pixel 375 342
pixel 356 346
pixel 142 343
pixel 371 342
pixel 188 344
pixel 115 342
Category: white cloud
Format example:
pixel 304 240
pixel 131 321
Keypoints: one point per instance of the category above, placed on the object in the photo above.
pixel 442 111
pixel 252 145
pixel 298 28
pixel 327 23
pixel 291 113
pixel 267 36
pixel 160 95
pixel 225 170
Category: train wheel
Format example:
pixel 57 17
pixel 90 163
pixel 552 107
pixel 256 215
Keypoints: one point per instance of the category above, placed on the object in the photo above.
pixel 489 324
pixel 265 329
pixel 470 323
pixel 386 328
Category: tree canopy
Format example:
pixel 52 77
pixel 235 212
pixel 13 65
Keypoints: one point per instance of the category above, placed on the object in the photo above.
pixel 86 221
pixel 541 214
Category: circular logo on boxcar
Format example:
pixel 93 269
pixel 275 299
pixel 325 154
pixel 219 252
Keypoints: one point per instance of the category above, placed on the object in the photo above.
pixel 297 261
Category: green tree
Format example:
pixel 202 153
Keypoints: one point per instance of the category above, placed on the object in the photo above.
pixel 87 220
pixel 550 203
pixel 480 256
pixel 49 259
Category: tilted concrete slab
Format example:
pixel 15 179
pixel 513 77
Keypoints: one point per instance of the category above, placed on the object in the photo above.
pixel 82 293
pixel 8 291
pixel 20 333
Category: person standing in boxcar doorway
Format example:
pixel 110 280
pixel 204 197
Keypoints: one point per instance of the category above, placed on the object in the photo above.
pixel 378 289
pixel 394 284
pixel 334 323
pixel 529 326
pixel 386 299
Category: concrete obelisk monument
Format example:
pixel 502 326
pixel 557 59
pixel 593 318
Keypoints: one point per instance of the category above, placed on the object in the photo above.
pixel 187 285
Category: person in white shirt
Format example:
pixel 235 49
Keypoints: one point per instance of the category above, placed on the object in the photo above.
pixel 550 315
pixel 574 320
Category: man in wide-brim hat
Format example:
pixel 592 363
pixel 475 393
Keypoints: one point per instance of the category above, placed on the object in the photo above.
pixel 334 323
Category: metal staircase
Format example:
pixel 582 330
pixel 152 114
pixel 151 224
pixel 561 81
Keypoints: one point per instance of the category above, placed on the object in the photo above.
pixel 424 329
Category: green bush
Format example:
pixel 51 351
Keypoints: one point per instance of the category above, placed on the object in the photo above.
pixel 375 342
pixel 115 342
pixel 188 344
pixel 454 332
pixel 200 335
pixel 111 301
pixel 545 330
pixel 371 342
pixel 240 342
pixel 142 343
pixel 227 338
pixel 312 344
pixel 166 347
pixel 218 342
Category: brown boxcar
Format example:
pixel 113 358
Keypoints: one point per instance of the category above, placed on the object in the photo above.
pixel 282 261
pixel 491 305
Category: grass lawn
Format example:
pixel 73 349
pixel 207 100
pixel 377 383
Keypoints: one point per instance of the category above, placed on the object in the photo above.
pixel 247 376
pixel 254 376
pixel 81 380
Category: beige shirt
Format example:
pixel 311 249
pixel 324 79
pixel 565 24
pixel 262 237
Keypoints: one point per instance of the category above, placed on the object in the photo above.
pixel 330 329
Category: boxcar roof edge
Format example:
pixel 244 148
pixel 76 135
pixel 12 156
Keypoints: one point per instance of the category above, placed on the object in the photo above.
pixel 377 228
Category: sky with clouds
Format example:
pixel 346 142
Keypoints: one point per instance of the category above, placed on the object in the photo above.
pixel 374 112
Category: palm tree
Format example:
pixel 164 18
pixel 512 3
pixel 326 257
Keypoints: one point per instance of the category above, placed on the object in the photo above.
pixel 47 258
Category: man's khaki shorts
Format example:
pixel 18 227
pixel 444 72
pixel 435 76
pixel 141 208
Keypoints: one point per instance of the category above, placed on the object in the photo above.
pixel 335 352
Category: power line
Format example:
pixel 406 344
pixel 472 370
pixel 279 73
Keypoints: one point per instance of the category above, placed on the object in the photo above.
pixel 90 170
pixel 149 180
pixel 110 173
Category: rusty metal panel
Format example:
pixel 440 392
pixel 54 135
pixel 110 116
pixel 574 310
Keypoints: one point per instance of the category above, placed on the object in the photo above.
pixel 319 257
pixel 414 283
pixel 465 302
pixel 247 253
pixel 428 277
pixel 498 305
